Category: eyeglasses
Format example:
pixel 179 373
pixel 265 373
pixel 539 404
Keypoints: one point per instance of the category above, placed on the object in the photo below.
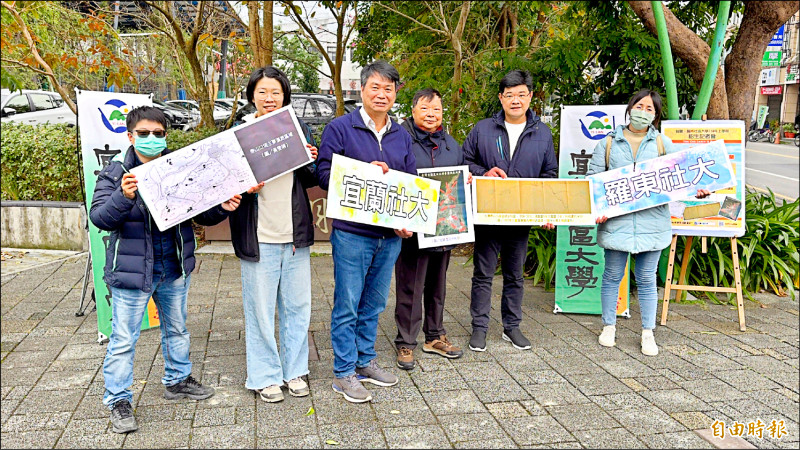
pixel 520 96
pixel 145 133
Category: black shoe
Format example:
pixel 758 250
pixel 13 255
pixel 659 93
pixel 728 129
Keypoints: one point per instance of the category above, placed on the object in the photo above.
pixel 190 388
pixel 477 342
pixel 517 339
pixel 122 420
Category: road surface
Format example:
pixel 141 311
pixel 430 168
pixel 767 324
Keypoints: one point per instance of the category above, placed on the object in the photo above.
pixel 773 166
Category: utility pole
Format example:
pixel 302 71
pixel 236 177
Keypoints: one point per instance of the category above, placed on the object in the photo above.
pixel 223 66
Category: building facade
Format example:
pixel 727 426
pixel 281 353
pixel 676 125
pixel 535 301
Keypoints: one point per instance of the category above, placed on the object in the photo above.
pixel 778 87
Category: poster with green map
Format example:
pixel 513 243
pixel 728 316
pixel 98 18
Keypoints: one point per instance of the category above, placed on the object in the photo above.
pixel 453 223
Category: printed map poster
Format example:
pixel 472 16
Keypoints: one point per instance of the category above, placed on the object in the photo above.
pixel 531 201
pixel 686 134
pixel 580 262
pixel 360 192
pixel 196 178
pixel 104 135
pixel 661 180
pixel 454 220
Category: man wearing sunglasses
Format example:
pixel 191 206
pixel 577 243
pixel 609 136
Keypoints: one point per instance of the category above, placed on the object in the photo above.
pixel 144 262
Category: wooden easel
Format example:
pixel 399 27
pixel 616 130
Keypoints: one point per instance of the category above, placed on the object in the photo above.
pixel 669 286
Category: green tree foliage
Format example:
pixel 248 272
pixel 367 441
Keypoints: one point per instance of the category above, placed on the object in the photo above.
pixel 299 61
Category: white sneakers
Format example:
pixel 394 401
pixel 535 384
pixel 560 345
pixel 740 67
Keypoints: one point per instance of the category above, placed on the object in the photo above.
pixel 649 346
pixel 608 339
pixel 608 336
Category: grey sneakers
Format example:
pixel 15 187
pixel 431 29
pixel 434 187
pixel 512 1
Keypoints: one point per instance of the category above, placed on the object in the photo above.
pixel 375 375
pixel 477 343
pixel 188 388
pixel 352 389
pixel 122 420
pixel 517 339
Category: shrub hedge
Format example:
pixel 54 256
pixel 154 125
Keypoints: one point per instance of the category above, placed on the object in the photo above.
pixel 40 162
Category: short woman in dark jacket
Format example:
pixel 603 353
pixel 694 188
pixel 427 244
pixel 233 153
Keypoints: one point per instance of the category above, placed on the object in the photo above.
pixel 272 232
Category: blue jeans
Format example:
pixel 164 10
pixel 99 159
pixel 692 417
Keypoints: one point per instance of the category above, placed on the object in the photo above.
pixel 362 270
pixel 645 273
pixel 281 278
pixel 127 310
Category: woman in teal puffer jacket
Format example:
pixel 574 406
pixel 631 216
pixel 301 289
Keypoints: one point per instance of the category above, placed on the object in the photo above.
pixel 642 233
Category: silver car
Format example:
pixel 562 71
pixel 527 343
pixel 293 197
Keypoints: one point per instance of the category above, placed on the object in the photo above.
pixel 35 107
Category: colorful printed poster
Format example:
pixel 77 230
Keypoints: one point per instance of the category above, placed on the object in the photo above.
pixel 687 134
pixel 658 181
pixel 580 262
pixel 101 126
pixel 196 178
pixel 454 221
pixel 360 192
pixel 531 201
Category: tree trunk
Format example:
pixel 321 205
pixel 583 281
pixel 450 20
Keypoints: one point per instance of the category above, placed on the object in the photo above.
pixel 760 21
pixel 512 34
pixel 458 59
pixel 266 33
pixel 203 100
pixel 253 24
pixel 692 50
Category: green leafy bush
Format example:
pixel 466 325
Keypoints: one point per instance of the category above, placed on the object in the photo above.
pixel 540 261
pixel 40 162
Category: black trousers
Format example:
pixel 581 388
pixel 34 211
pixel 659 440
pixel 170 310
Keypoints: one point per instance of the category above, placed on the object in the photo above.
pixel 511 243
pixel 421 281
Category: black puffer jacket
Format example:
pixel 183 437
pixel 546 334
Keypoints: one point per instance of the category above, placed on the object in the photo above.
pixel 129 255
pixel 244 221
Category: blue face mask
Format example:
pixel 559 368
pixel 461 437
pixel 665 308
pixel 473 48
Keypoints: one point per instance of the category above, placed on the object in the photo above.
pixel 150 146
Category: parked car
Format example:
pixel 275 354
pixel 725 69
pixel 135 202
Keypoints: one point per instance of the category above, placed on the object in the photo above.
pixel 34 107
pixel 244 108
pixel 177 118
pixel 220 114
pixel 317 110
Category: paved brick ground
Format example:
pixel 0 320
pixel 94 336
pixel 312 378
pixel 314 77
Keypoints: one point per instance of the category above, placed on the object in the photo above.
pixel 567 392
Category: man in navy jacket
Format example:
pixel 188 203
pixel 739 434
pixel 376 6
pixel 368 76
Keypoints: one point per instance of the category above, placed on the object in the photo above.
pixel 513 143
pixel 363 255
pixel 143 261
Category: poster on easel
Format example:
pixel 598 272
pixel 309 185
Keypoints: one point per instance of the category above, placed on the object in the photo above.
pixel 103 135
pixel 579 260
pixel 722 214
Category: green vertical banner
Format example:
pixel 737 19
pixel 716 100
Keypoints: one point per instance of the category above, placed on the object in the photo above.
pixel 579 260
pixel 103 135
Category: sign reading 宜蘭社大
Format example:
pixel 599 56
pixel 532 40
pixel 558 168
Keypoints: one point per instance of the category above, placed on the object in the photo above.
pixel 675 176
pixel 360 192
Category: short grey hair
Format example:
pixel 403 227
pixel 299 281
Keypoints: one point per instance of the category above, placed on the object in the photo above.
pixel 382 68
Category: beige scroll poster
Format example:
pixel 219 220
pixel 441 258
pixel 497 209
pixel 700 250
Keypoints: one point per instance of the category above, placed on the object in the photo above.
pixel 532 201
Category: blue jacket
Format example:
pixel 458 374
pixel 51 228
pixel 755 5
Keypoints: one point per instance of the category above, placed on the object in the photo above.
pixel 129 252
pixel 640 231
pixel 349 136
pixel 534 156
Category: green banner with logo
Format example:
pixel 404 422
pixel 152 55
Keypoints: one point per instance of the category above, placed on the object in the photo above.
pixel 103 135
pixel 579 260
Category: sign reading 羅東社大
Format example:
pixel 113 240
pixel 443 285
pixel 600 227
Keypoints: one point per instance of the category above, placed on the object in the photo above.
pixel 196 178
pixel 360 192
pixel 580 262
pixel 454 219
pixel 675 176
pixel 729 221
pixel 104 135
